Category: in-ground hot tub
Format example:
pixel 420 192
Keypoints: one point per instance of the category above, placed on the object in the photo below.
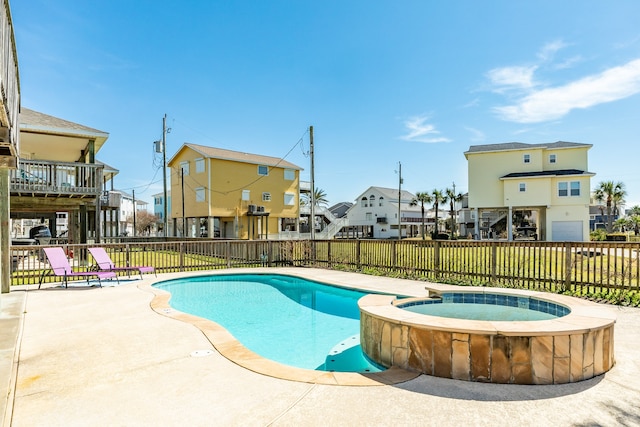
pixel 574 343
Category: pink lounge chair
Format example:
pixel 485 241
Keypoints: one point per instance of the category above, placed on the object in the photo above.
pixel 60 267
pixel 103 260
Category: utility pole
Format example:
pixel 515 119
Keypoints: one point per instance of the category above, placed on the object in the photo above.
pixel 183 219
pixel 165 226
pixel 399 199
pixel 312 219
pixel 133 192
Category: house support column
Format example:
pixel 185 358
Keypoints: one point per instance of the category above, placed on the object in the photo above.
pixel 5 233
pixel 83 224
pixel 476 225
pixel 510 224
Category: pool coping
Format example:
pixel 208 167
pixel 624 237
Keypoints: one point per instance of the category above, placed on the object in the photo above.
pixel 232 349
pixel 585 315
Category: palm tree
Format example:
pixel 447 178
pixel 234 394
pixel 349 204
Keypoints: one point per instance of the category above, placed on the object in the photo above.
pixel 319 198
pixel 421 198
pixel 623 224
pixel 613 194
pixel 451 196
pixel 437 197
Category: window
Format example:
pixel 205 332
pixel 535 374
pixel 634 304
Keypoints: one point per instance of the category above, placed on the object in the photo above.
pixel 200 194
pixel 364 202
pixel 381 201
pixel 246 194
pixel 569 189
pixel 199 165
pixel 263 170
pixel 289 174
pixel 289 199
pixel 523 187
pixel 185 168
pixel 575 188
pixel 563 189
pixel 266 197
pixel 552 158
pixel 372 200
pixel 368 216
pixel 527 158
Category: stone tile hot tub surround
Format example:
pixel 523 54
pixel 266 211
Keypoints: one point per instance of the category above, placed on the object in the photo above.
pixel 572 348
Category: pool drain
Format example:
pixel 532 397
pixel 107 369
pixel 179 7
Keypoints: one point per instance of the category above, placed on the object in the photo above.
pixel 201 353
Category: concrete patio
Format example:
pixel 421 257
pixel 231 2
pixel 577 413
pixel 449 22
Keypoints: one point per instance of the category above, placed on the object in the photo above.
pixel 89 356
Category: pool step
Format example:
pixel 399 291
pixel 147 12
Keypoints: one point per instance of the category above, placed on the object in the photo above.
pixel 347 356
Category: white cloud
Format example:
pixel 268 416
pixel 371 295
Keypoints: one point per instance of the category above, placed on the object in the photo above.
pixel 517 77
pixel 568 63
pixel 553 103
pixel 477 135
pixel 549 50
pixel 420 131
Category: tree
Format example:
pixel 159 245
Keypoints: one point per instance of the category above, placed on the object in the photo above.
pixel 634 211
pixel 622 224
pixel 612 193
pixel 421 198
pixel 319 196
pixel 452 198
pixel 437 198
pixel 145 222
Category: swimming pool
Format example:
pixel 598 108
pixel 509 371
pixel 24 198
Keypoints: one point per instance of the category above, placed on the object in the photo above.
pixel 287 319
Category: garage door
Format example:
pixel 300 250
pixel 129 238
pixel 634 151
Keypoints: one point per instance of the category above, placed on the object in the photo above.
pixel 566 231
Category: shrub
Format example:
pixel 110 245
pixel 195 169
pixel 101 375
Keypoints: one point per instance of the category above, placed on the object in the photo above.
pixel 598 235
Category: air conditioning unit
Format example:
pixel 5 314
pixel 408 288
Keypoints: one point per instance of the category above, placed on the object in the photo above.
pixel 251 208
pixel 260 208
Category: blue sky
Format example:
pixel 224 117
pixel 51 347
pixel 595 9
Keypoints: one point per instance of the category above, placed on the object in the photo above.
pixel 381 82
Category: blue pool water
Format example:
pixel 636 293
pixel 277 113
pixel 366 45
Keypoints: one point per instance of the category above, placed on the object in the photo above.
pixel 480 312
pixel 487 306
pixel 283 318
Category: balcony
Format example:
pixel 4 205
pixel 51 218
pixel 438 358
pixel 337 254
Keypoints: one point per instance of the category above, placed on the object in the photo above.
pixel 40 178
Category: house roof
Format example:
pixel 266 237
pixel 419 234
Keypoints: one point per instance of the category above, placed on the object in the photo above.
pixel 34 120
pixel 559 172
pixel 237 156
pixel 340 209
pixel 511 146
pixel 39 132
pixel 389 193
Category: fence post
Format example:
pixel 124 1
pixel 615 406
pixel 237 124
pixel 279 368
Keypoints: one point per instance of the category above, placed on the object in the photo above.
pixel 436 258
pixel 329 253
pixel 394 252
pixel 494 263
pixel 181 265
pixel 358 263
pixel 567 266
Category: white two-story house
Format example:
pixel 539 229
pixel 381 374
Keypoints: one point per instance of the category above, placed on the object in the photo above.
pixel 379 211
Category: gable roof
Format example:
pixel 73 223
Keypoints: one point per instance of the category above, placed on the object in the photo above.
pixel 237 156
pixel 511 146
pixel 388 193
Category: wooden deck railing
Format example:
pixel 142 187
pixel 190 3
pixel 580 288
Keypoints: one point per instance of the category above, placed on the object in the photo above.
pixel 592 266
pixel 58 178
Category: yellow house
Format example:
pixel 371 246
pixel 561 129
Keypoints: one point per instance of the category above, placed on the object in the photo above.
pixel 232 195
pixel 545 187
